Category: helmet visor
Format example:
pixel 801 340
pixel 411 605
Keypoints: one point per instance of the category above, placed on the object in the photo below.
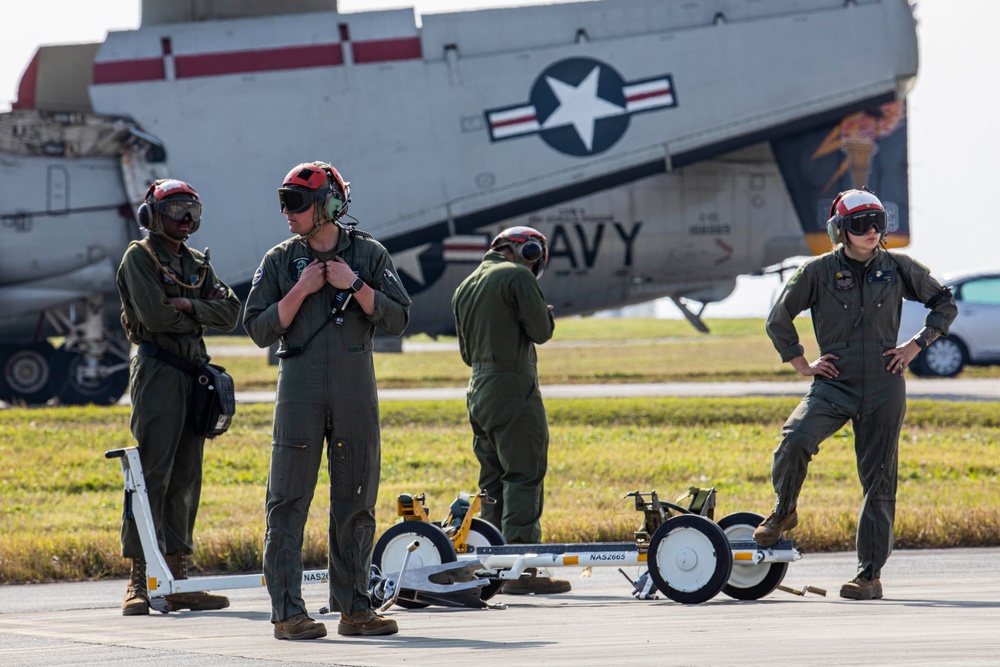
pixel 178 209
pixel 859 223
pixel 296 201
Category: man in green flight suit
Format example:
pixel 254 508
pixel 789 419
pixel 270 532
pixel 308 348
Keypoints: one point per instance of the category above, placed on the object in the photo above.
pixel 500 314
pixel 855 294
pixel 170 295
pixel 322 293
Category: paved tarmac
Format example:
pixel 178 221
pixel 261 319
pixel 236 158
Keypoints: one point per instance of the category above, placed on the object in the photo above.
pixel 933 389
pixel 941 607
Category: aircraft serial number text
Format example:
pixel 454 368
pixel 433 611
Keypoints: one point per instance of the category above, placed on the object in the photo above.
pixel 711 230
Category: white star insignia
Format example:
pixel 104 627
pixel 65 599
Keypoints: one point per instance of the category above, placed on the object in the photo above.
pixel 409 261
pixel 580 106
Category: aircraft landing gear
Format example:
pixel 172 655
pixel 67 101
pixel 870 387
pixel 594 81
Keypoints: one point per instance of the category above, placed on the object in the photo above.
pixel 80 378
pixel 92 365
pixel 24 373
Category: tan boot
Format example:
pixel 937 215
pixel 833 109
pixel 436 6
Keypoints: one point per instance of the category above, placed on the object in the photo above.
pixel 770 529
pixel 533 584
pixel 299 626
pixel 860 588
pixel 366 622
pixel 136 601
pixel 197 601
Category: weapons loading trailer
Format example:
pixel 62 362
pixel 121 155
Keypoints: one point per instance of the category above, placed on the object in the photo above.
pixel 463 561
pixel 690 557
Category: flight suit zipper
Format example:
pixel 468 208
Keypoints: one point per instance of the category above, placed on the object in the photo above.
pixel 861 323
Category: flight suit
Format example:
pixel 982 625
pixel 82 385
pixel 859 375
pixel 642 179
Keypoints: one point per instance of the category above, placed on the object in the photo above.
pixel 855 317
pixel 500 313
pixel 170 452
pixel 326 392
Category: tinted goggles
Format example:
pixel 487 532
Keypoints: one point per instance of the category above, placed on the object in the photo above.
pixel 177 209
pixel 296 201
pixel 859 223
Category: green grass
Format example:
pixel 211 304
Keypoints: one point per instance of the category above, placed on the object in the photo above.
pixel 591 350
pixel 61 500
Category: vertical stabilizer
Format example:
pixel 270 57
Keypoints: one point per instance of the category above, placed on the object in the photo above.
pixel 867 148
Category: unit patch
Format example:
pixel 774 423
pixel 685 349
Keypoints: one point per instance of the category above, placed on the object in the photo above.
pixel 844 279
pixel 580 106
pixel 297 266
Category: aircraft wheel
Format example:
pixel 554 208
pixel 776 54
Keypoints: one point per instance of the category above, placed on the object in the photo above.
pixel 484 534
pixel 689 559
pixel 66 383
pixel 25 373
pixel 434 549
pixel 749 582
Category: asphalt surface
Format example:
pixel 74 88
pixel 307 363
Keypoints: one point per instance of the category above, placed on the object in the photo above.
pixel 941 607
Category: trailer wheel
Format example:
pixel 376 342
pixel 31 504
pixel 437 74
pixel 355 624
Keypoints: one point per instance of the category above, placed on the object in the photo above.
pixel 434 549
pixel 749 582
pixel 482 533
pixel 689 559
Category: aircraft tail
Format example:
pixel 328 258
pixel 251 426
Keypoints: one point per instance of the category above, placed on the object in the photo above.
pixel 867 148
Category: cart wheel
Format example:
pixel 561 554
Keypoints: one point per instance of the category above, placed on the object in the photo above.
pixel 689 559
pixel 484 534
pixel 748 581
pixel 434 549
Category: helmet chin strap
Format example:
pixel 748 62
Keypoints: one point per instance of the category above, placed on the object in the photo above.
pixel 161 232
pixel 319 222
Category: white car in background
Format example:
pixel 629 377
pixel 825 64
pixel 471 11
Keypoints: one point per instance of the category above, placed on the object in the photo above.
pixel 974 338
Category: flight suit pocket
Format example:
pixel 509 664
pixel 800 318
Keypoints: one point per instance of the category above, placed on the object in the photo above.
pixel 293 472
pixel 390 285
pixel 341 471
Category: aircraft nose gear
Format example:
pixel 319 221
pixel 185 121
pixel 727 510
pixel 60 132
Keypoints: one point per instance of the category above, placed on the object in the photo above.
pixel 690 557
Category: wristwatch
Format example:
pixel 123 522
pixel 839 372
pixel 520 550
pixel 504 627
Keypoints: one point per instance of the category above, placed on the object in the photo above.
pixel 357 285
pixel 921 342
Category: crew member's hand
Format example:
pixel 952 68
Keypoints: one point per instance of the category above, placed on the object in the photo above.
pixel 182 304
pixel 339 273
pixel 313 277
pixel 900 357
pixel 218 293
pixel 824 366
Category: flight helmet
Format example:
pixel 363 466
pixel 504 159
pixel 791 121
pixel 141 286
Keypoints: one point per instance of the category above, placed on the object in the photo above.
pixel 171 198
pixel 528 245
pixel 315 183
pixel 855 211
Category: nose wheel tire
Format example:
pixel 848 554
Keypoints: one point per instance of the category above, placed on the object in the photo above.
pixel 747 581
pixel 689 559
pixel 484 534
pixel 434 549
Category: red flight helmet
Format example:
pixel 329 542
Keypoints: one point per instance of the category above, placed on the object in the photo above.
pixel 529 246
